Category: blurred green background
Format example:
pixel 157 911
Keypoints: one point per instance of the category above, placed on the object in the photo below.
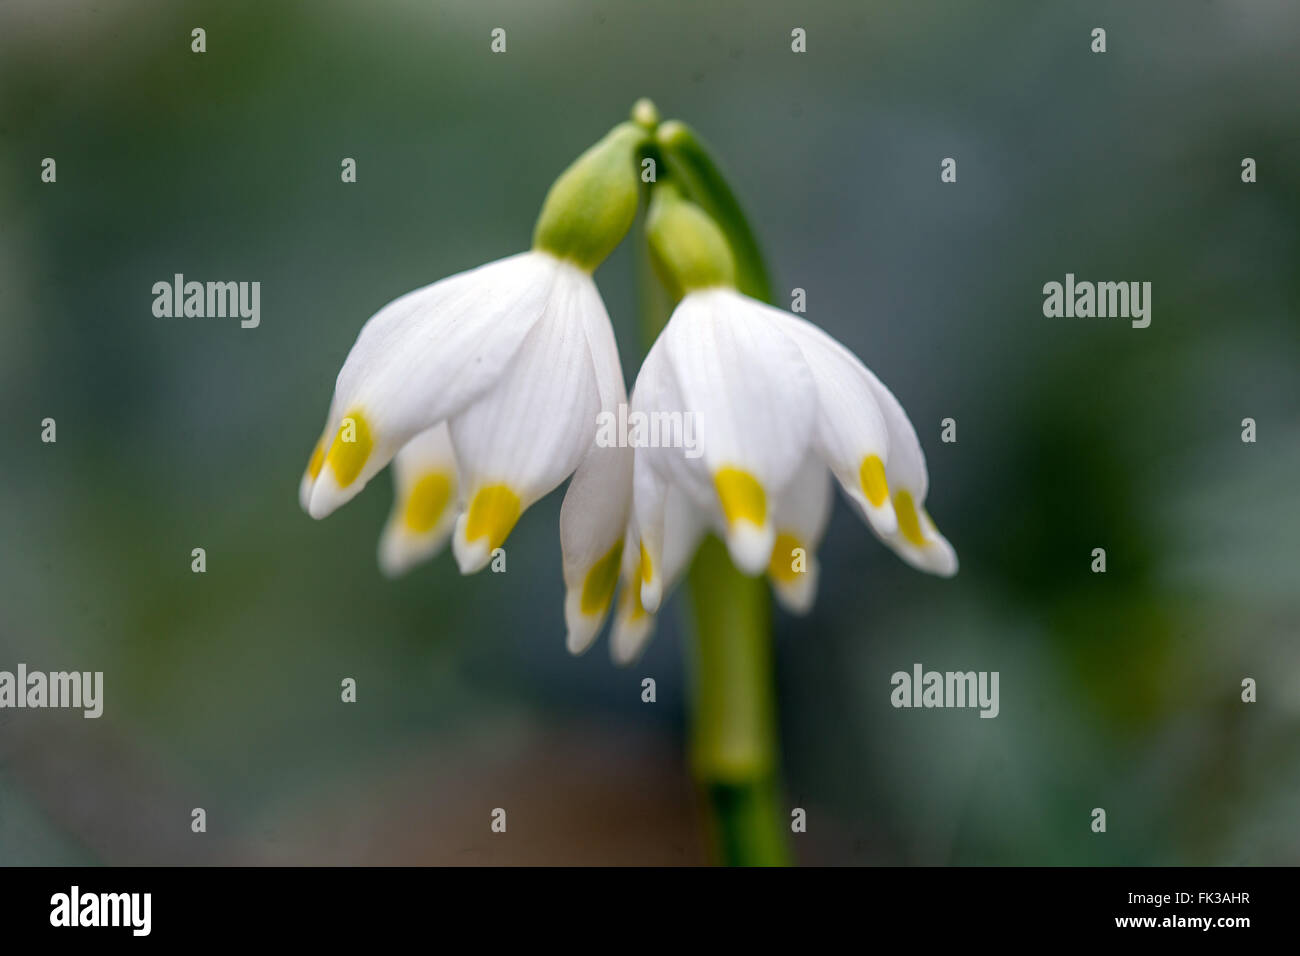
pixel 222 690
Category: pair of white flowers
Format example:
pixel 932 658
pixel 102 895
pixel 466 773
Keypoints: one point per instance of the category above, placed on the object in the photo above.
pixel 485 389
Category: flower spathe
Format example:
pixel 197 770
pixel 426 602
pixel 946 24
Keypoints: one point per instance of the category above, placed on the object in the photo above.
pixel 780 406
pixel 486 386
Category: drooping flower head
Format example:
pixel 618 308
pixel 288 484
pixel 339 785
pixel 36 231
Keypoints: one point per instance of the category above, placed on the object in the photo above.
pixel 780 407
pixel 486 387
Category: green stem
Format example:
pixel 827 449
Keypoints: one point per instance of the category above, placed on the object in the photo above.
pixel 733 710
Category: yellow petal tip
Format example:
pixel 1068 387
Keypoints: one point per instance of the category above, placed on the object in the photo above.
pixel 909 525
pixel 492 515
pixel 741 496
pixel 427 502
pixel 350 449
pixel 789 559
pixel 598 585
pixel 871 475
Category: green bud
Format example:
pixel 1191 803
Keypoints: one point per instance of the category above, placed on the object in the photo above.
pixel 645 114
pixel 591 206
pixel 688 249
pixel 701 181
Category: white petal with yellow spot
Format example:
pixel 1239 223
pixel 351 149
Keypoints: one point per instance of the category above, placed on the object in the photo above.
pixel 852 433
pixel 425 489
pixel 529 433
pixel 755 404
pixel 800 514
pixel 684 525
pixel 421 360
pixel 594 515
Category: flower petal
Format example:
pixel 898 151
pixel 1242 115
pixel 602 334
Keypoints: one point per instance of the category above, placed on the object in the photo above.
pixel 852 434
pixel 800 515
pixel 422 358
pixel 633 626
pixel 424 501
pixel 650 499
pixel 755 403
pixel 313 469
pixel 528 434
pixel 916 539
pixel 684 525
pixel 655 393
pixel 594 515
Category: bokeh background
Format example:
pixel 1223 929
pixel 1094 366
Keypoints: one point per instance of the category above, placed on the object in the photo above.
pixel 1119 690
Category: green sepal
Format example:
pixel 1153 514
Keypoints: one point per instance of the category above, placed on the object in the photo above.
pixel 687 248
pixel 590 208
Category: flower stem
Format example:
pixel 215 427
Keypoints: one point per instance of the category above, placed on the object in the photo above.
pixel 733 714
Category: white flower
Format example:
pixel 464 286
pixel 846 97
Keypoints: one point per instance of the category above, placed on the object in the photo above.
pixel 778 405
pixel 486 386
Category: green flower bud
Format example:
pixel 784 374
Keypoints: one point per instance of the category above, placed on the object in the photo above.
pixel 646 114
pixel 688 249
pixel 701 181
pixel 591 206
